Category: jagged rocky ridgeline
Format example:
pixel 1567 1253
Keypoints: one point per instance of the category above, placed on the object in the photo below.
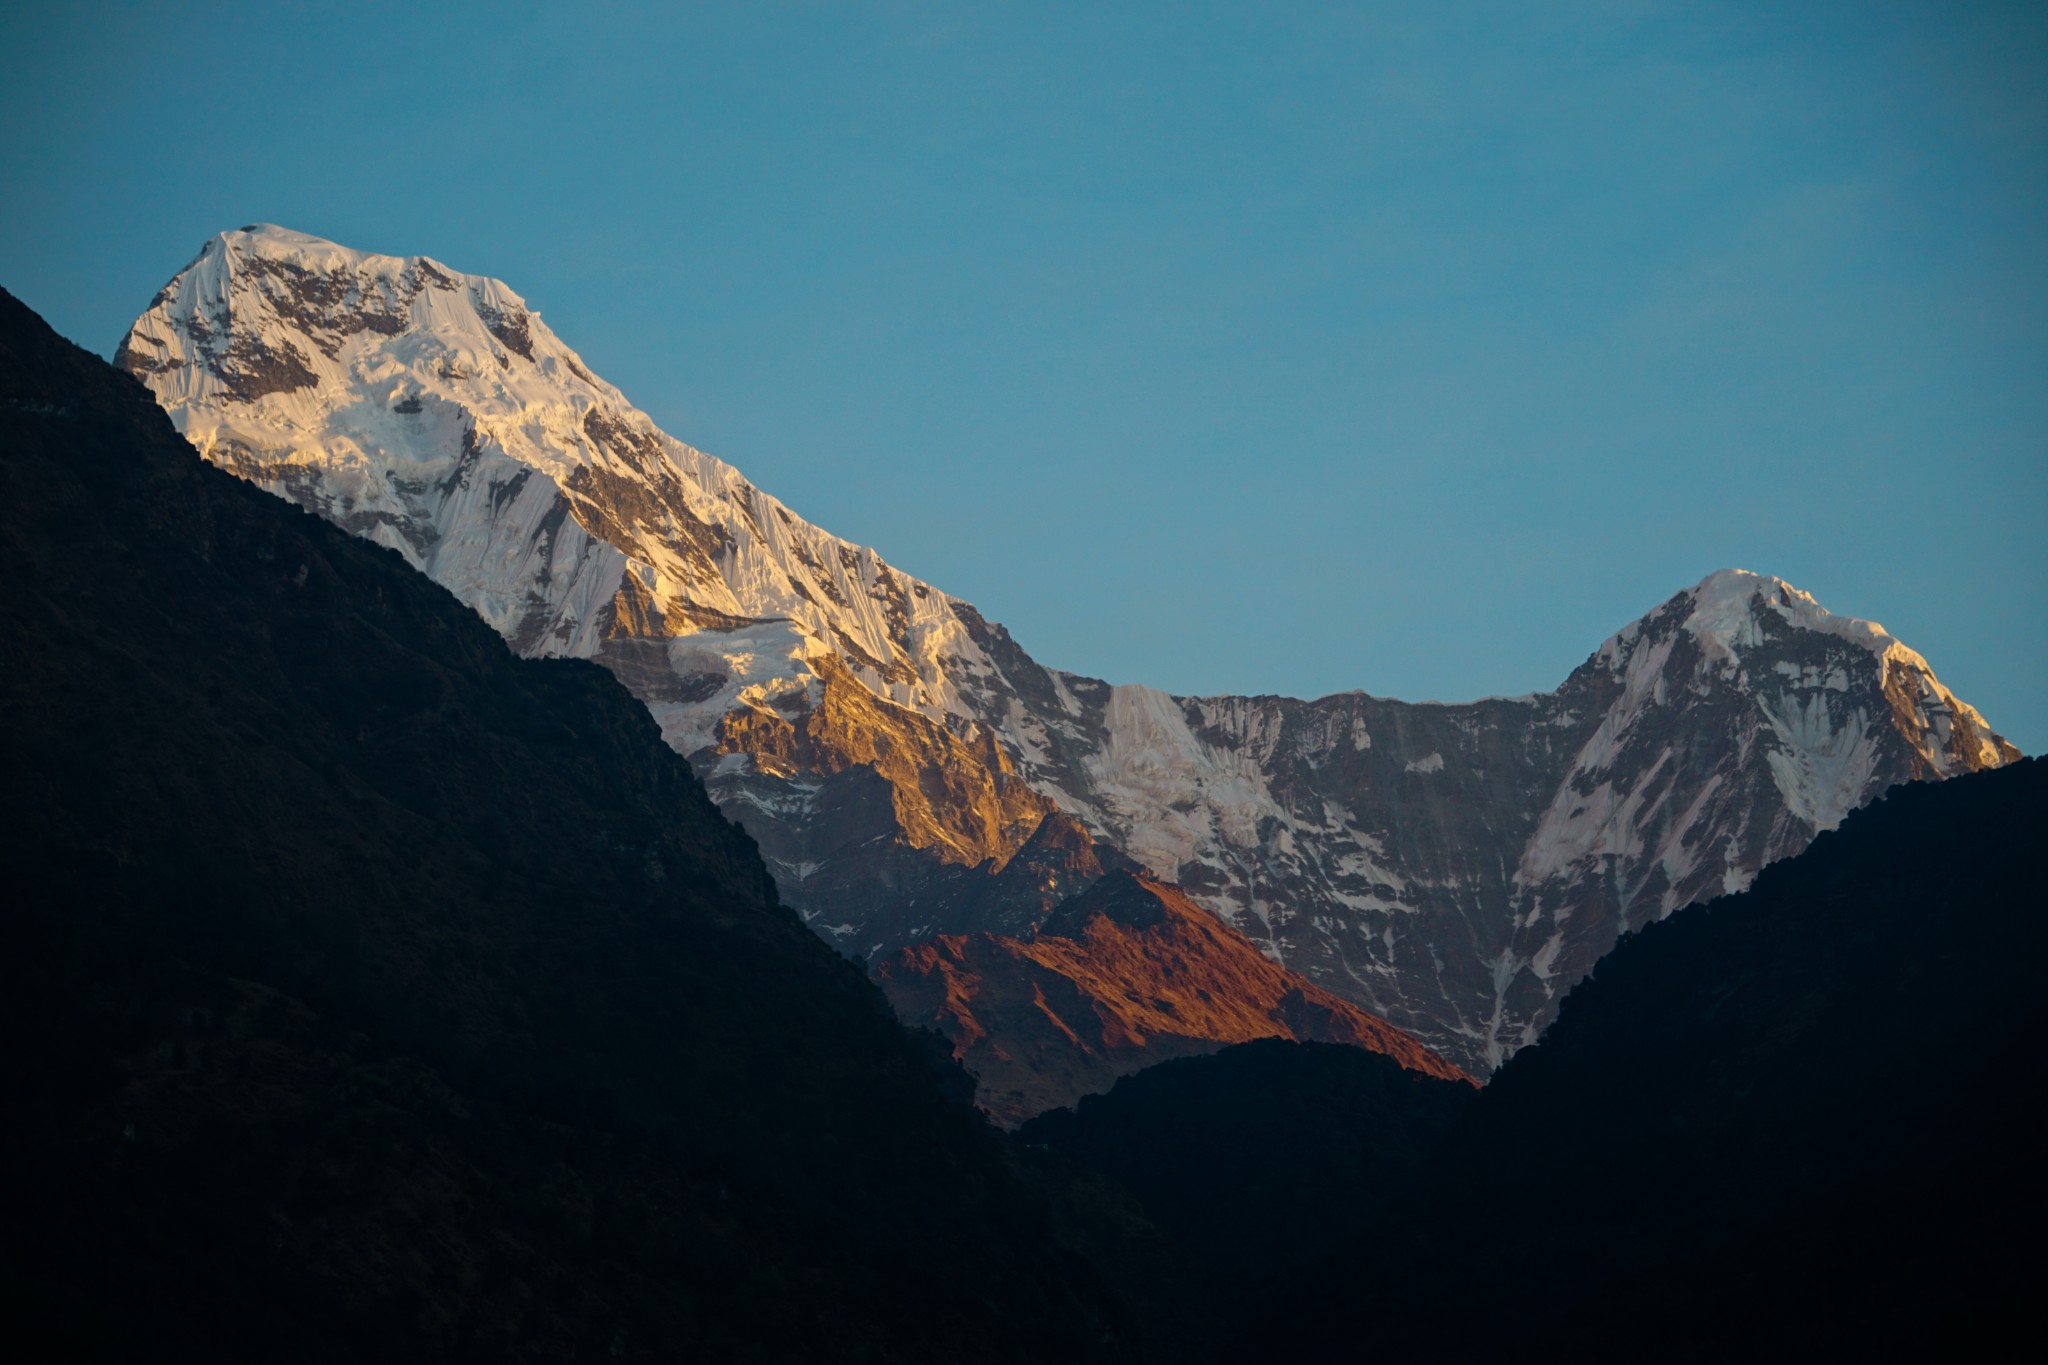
pixel 1453 868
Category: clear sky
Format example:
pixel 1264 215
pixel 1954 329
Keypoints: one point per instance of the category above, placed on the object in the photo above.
pixel 1222 347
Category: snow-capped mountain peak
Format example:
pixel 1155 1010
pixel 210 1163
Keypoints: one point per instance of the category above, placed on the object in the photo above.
pixel 1731 606
pixel 439 415
pixel 1452 868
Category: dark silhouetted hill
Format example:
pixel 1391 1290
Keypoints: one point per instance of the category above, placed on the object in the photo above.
pixel 1259 1158
pixel 370 994
pixel 1804 1122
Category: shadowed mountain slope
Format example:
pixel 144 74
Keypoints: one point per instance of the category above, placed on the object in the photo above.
pixel 371 993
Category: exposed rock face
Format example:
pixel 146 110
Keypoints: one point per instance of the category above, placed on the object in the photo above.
pixel 1128 973
pixel 1453 868
pixel 1459 868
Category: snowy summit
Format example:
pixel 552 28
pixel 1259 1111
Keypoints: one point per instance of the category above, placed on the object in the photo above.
pixel 1453 869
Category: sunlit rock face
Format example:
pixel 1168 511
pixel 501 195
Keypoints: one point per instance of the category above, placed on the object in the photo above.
pixel 1126 974
pixel 1453 868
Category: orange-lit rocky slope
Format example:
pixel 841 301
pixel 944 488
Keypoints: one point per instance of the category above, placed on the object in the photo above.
pixel 1129 973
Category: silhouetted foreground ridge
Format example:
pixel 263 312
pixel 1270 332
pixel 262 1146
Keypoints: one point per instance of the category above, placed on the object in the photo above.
pixel 1799 1123
pixel 370 994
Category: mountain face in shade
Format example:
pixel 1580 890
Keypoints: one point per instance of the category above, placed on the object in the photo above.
pixel 1127 974
pixel 1452 868
pixel 371 993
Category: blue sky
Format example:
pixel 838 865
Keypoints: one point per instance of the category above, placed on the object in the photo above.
pixel 1252 348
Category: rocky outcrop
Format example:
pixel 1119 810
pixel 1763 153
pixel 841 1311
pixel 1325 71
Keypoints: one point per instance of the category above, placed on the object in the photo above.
pixel 1126 974
pixel 961 797
pixel 1453 868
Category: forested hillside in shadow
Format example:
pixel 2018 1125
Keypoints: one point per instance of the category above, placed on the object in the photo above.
pixel 373 994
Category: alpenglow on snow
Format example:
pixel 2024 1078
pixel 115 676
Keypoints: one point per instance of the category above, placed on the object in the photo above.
pixel 1452 868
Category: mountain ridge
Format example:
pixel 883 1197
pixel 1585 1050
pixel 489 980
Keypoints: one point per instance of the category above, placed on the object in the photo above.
pixel 1452 867
pixel 535 1068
